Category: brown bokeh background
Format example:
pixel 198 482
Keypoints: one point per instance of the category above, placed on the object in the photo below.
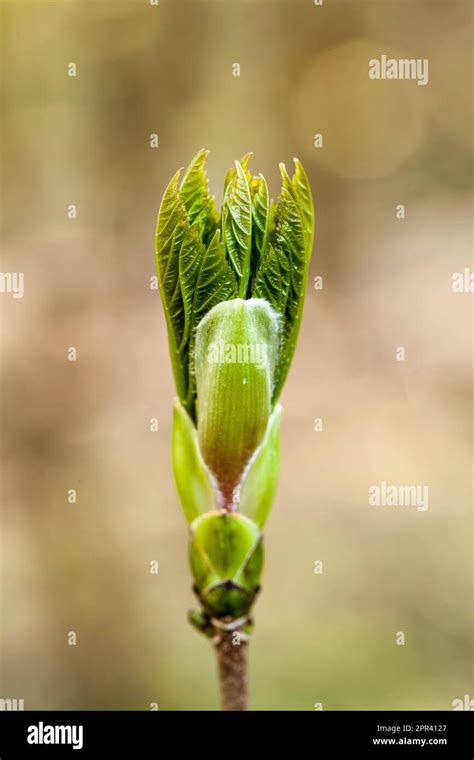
pixel 85 425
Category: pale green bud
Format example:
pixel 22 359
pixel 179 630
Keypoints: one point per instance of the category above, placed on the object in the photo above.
pixel 236 352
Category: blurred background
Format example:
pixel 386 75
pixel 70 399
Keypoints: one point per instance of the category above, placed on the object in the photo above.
pixel 327 638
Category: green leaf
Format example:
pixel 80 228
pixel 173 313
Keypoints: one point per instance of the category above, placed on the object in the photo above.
pixel 194 189
pixel 267 243
pixel 206 280
pixel 170 229
pixel 260 209
pixel 273 279
pixel 292 240
pixel 190 260
pixel 259 482
pixel 200 205
pixel 193 479
pixel 303 191
pixel 232 171
pixel 260 219
pixel 192 278
pixel 236 220
pixel 216 280
pixel 236 352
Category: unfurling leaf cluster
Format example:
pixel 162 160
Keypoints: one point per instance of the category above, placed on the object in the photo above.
pixel 255 248
pixel 232 286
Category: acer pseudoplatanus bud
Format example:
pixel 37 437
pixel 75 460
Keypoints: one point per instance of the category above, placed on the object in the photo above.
pixel 232 287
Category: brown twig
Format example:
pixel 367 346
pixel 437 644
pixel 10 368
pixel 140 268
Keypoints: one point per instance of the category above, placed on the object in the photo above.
pixel 231 651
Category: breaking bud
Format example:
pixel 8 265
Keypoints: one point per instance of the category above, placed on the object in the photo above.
pixel 232 287
pixel 236 352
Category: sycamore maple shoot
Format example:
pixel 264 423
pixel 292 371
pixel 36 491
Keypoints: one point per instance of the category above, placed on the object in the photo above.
pixel 232 287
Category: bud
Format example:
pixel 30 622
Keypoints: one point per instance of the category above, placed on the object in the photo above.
pixel 198 489
pixel 232 286
pixel 226 558
pixel 236 353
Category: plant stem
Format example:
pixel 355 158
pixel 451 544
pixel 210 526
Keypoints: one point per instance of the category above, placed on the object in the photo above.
pixel 232 665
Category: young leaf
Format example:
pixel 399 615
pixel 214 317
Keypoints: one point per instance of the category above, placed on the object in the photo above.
pixel 170 229
pixel 216 280
pixel 236 220
pixel 273 279
pixel 190 259
pixel 260 219
pixel 303 191
pixel 200 205
pixel 194 189
pixel 213 282
pixel 292 238
pixel 244 164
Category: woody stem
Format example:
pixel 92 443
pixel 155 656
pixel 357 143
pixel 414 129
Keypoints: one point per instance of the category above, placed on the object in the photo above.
pixel 231 651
